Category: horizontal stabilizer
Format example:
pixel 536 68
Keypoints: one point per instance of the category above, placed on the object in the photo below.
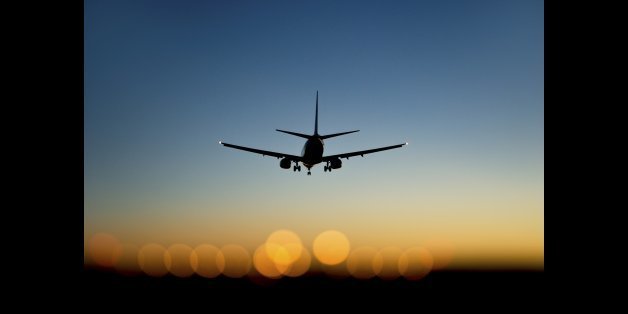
pixel 362 152
pixel 337 134
pixel 296 134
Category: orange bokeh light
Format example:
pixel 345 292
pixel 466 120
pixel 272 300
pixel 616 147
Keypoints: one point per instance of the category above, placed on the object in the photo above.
pixel 178 260
pixel 152 259
pixel 264 264
pixel 415 263
pixel 331 247
pixel 360 262
pixel 237 261
pixel 300 266
pixel 104 249
pixel 283 247
pixel 207 261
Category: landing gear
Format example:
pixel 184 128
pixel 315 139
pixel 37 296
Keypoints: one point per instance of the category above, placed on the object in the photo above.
pixel 309 173
pixel 327 168
pixel 296 167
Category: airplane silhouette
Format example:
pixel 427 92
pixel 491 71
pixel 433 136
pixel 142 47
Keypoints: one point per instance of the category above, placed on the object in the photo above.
pixel 312 152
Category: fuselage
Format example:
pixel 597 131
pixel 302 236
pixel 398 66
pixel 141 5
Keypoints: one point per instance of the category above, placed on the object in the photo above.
pixel 312 152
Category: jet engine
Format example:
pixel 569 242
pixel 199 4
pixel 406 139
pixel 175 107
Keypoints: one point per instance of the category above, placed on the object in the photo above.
pixel 336 163
pixel 285 163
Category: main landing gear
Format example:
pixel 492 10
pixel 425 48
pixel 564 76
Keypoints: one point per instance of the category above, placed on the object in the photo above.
pixel 296 167
pixel 328 167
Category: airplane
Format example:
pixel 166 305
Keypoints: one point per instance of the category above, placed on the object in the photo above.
pixel 312 152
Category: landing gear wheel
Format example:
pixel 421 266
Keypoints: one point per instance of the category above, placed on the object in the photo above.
pixel 296 167
pixel 309 173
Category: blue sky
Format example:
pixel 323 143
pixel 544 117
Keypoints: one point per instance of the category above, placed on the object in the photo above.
pixel 461 81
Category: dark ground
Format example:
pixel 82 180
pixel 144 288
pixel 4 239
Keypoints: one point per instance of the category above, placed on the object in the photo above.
pixel 511 285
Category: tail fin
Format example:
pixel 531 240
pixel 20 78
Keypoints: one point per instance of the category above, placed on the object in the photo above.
pixel 316 118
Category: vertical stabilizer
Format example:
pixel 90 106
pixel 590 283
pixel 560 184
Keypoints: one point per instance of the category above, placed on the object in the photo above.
pixel 316 118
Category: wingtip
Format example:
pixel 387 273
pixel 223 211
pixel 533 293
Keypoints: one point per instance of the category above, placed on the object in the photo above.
pixel 220 142
pixel 407 143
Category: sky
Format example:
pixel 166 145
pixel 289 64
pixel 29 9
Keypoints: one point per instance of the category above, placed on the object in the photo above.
pixel 461 81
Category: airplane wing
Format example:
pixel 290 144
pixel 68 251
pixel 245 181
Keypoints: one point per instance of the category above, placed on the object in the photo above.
pixel 262 152
pixel 362 152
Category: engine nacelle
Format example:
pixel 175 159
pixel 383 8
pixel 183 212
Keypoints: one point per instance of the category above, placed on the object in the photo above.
pixel 285 163
pixel 336 163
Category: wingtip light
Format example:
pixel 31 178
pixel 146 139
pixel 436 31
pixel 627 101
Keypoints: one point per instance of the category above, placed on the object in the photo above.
pixel 219 142
pixel 407 143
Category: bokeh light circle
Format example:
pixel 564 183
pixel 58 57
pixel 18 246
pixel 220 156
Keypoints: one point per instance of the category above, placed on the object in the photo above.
pixel 283 247
pixel 300 266
pixel 104 249
pixel 207 261
pixel 360 262
pixel 415 263
pixel 178 260
pixel 331 247
pixel 264 264
pixel 152 259
pixel 237 261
